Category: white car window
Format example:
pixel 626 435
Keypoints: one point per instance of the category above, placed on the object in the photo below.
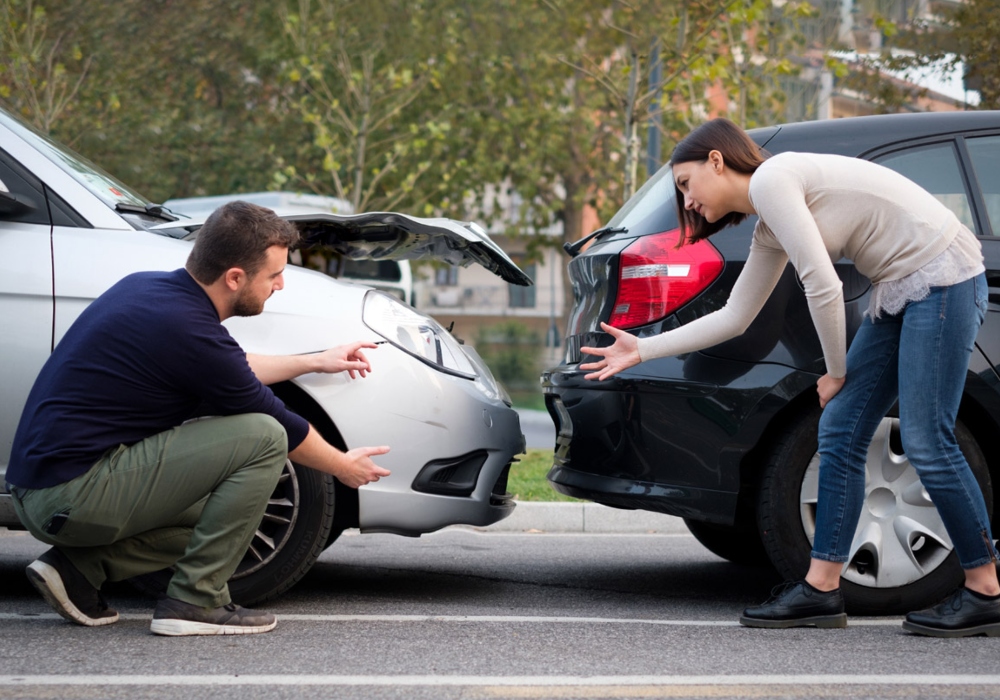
pixel 104 186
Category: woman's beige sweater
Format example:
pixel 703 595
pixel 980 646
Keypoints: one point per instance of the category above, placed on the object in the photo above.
pixel 816 209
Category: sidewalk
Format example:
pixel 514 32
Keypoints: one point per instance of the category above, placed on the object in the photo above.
pixel 535 516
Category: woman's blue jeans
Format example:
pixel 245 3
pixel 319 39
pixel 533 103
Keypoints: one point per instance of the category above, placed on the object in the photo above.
pixel 920 356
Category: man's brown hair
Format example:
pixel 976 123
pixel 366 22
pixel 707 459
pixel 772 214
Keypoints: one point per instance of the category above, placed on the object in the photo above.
pixel 739 152
pixel 237 234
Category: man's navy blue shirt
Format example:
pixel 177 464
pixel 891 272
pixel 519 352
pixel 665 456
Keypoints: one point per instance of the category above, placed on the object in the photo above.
pixel 144 357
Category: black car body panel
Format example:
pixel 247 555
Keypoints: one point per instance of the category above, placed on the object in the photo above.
pixel 683 435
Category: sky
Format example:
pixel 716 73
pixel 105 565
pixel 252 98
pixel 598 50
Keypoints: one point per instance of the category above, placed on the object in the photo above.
pixel 938 78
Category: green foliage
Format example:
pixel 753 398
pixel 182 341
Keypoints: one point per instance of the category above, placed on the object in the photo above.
pixel 391 104
pixel 975 31
pixel 177 99
pixel 378 134
pixel 44 65
pixel 532 399
pixel 512 352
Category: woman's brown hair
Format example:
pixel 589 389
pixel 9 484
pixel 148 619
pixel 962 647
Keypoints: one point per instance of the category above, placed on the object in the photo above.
pixel 739 152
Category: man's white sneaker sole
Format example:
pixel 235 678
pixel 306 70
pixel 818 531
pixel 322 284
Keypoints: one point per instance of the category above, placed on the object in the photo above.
pixel 189 628
pixel 49 583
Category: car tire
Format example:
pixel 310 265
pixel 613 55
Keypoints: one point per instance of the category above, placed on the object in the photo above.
pixel 293 533
pixel 786 503
pixel 297 526
pixel 739 543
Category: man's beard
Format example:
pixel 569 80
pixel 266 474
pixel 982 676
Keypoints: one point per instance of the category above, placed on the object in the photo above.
pixel 245 305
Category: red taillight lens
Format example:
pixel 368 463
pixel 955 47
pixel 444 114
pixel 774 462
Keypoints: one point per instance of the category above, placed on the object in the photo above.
pixel 657 278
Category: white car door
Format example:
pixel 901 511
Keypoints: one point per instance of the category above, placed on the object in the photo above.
pixel 25 291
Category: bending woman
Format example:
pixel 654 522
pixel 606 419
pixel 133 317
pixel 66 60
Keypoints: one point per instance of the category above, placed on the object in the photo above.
pixel 927 304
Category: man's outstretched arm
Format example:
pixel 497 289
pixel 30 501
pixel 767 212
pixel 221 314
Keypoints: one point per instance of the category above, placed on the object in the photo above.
pixel 353 468
pixel 271 369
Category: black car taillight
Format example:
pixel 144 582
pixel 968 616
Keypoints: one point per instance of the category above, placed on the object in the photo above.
pixel 656 278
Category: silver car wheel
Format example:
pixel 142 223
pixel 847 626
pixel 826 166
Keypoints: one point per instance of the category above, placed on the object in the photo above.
pixel 276 526
pixel 900 536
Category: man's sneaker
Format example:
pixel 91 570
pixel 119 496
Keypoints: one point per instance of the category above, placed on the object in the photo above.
pixel 798 604
pixel 963 614
pixel 68 591
pixel 175 618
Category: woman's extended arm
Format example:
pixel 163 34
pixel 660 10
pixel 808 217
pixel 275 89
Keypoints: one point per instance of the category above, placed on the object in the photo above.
pixel 760 275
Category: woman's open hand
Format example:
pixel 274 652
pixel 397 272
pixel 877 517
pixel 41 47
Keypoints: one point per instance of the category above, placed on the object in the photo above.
pixel 624 353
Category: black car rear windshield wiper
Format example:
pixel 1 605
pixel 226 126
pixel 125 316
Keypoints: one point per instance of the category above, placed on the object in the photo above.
pixel 574 248
pixel 157 210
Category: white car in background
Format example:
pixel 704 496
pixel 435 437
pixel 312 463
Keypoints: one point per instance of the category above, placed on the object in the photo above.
pixel 392 276
pixel 68 231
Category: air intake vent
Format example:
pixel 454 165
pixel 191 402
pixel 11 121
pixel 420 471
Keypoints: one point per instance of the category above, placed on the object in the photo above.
pixel 456 476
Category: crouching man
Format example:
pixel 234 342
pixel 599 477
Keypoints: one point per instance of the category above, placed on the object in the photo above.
pixel 105 466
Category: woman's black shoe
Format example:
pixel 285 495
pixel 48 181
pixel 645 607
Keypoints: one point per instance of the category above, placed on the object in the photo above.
pixel 963 614
pixel 797 604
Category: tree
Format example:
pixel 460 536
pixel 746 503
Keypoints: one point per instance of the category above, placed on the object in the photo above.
pixel 358 72
pixel 965 36
pixel 421 106
pixel 174 98
pixel 975 32
pixel 37 79
pixel 547 90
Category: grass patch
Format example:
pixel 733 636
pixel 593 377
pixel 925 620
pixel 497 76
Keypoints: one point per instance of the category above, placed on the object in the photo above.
pixel 532 399
pixel 527 478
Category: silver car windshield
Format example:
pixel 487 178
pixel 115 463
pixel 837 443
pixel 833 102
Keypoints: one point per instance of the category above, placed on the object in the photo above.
pixel 104 186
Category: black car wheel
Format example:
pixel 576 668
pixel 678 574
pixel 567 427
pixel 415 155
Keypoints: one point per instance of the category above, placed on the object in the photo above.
pixel 902 558
pixel 292 534
pixel 739 543
pixel 295 529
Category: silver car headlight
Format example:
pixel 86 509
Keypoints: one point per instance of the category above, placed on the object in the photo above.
pixel 425 339
pixel 419 335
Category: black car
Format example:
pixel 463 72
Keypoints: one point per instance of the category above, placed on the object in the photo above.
pixel 726 437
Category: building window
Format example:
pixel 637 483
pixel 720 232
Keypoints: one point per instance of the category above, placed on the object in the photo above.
pixel 523 297
pixel 446 276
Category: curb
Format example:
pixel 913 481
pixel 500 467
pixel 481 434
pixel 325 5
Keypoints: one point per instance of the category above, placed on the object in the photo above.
pixel 546 516
pixel 534 516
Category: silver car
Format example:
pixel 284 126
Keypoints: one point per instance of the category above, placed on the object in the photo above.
pixel 68 231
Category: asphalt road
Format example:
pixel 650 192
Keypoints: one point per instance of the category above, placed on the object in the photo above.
pixel 538 428
pixel 467 614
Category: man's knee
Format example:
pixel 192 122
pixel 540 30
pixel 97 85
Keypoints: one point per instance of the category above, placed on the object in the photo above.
pixel 262 426
pixel 266 426
pixel 272 435
pixel 258 437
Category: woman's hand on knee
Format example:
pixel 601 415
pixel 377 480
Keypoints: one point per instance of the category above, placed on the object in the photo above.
pixel 827 387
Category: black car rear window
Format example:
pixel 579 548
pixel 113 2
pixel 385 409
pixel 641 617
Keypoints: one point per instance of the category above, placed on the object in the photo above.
pixel 651 209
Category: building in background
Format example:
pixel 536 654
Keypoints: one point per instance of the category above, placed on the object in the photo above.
pixel 851 33
pixel 517 330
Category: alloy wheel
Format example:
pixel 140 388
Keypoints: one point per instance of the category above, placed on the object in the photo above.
pixel 276 526
pixel 900 536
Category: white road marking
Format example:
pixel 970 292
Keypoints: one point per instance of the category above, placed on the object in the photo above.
pixel 502 619
pixel 506 681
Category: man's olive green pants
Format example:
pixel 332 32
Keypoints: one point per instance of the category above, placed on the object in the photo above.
pixel 191 497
